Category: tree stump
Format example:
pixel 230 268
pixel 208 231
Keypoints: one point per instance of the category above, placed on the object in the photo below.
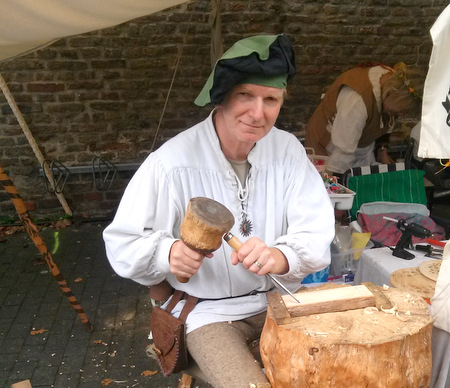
pixel 369 347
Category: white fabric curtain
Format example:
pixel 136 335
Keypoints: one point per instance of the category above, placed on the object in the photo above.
pixel 440 303
pixel 26 25
pixel 435 132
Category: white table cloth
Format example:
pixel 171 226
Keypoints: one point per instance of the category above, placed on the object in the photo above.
pixel 376 265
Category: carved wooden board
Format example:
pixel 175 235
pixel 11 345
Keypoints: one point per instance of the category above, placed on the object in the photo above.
pixel 329 300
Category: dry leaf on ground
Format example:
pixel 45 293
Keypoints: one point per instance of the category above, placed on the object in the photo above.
pixel 40 331
pixel 100 342
pixel 149 372
pixel 60 224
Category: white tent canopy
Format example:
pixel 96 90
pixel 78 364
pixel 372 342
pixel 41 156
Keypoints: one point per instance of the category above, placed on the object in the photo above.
pixel 26 25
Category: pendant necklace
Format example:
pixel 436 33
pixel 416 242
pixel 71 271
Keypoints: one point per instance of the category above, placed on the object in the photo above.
pixel 245 226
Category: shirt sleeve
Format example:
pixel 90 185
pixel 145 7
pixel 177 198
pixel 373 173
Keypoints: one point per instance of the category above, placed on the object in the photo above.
pixel 310 219
pixel 138 241
pixel 346 129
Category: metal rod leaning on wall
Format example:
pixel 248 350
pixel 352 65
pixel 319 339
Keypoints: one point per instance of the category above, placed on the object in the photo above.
pixel 33 232
pixel 31 140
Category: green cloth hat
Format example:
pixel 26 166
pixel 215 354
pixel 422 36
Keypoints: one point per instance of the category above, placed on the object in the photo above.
pixel 267 60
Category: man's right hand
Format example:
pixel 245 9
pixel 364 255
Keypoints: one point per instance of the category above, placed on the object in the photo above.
pixel 184 261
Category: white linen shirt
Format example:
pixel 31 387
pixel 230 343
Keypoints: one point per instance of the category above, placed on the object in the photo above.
pixel 287 204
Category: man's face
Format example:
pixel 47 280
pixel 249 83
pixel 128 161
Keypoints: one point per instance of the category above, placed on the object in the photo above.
pixel 398 106
pixel 390 107
pixel 250 111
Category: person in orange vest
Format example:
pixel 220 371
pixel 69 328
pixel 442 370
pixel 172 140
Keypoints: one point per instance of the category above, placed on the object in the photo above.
pixel 361 106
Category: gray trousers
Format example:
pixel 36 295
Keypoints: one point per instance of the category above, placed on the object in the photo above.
pixel 227 353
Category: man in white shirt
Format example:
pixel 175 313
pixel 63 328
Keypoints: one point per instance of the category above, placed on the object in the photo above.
pixel 263 176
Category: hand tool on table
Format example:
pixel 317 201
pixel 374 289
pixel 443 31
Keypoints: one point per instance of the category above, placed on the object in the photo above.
pixel 405 241
pixel 234 242
pixel 429 250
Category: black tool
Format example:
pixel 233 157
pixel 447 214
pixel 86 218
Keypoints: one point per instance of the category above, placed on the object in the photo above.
pixel 429 250
pixel 408 230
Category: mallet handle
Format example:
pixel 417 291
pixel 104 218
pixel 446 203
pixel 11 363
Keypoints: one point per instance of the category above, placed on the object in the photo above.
pixel 182 280
pixel 232 241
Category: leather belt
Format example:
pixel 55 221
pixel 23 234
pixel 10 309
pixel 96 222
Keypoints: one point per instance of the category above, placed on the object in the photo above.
pixel 254 292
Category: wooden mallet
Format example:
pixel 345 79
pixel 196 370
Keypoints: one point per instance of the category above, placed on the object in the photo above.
pixel 205 223
pixel 203 226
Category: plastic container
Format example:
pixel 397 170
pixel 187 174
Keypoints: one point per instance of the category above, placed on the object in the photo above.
pixel 346 263
pixel 342 201
pixel 319 161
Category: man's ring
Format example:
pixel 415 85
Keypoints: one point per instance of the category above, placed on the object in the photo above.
pixel 258 263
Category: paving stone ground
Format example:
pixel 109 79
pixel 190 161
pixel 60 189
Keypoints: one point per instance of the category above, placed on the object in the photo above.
pixel 65 354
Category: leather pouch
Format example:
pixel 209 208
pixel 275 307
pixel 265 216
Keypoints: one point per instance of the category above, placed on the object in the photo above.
pixel 169 334
pixel 161 292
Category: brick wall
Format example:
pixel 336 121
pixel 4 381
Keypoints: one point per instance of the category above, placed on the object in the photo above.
pixel 101 94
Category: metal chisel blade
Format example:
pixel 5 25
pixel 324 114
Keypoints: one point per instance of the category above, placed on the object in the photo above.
pixel 276 281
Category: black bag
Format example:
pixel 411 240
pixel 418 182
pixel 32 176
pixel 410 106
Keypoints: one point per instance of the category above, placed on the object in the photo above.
pixel 169 334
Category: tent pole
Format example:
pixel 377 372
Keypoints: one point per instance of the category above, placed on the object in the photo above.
pixel 32 142
pixel 33 232
pixel 215 22
pixel 177 63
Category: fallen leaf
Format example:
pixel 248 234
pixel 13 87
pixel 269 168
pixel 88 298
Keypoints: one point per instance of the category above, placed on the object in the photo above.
pixel 149 372
pixel 106 382
pixel 10 230
pixel 60 224
pixel 40 331
pixel 78 280
pixel 100 342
